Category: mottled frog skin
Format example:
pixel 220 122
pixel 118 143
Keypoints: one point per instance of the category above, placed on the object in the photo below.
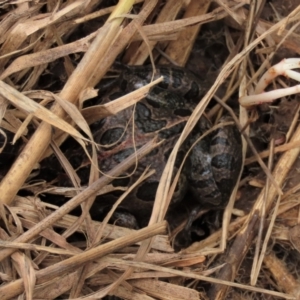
pixel 211 168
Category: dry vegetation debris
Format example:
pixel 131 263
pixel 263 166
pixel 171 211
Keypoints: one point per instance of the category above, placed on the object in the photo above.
pixel 53 53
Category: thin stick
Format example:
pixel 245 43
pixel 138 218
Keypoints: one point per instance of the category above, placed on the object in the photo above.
pixel 78 199
pixel 39 142
pixel 16 287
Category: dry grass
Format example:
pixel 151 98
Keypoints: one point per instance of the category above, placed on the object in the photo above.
pixel 37 260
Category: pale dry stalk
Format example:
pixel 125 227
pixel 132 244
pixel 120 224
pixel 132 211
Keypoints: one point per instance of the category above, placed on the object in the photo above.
pixel 80 198
pixel 70 264
pixel 41 138
pixel 180 49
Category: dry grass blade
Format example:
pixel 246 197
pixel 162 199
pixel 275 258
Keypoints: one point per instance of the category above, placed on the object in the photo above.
pixel 7 244
pixel 166 179
pixel 27 273
pixel 248 231
pixel 281 274
pixel 80 198
pixel 147 173
pixel 26 208
pixel 26 104
pixel 138 56
pixel 40 141
pixel 75 115
pixel 179 50
pixel 13 122
pixel 13 289
pixel 59 60
pixel 2 133
pixel 278 149
pixel 30 23
pixel 178 25
pixel 119 262
pixel 99 234
pixel 164 290
pixel 99 13
pixel 46 56
pixel 97 112
pixel 161 201
pixel 66 166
